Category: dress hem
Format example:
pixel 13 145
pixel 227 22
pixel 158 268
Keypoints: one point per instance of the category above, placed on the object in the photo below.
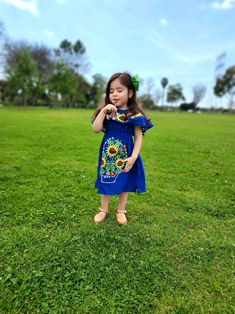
pixel 136 191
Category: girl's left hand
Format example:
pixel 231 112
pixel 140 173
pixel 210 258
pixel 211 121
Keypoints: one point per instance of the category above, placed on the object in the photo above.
pixel 129 163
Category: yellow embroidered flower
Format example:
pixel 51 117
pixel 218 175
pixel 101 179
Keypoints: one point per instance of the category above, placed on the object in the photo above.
pixel 103 162
pixel 119 163
pixel 121 117
pixel 112 150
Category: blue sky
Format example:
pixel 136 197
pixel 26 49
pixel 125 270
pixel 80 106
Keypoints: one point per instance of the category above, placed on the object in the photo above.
pixel 176 39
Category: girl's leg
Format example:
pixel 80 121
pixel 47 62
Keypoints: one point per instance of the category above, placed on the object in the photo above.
pixel 100 217
pixel 122 201
pixel 105 201
pixel 121 217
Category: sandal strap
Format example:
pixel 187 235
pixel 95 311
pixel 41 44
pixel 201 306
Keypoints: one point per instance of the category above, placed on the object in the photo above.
pixel 103 210
pixel 121 212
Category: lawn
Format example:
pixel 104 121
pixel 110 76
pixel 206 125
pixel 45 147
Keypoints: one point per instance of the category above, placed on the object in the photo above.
pixel 176 255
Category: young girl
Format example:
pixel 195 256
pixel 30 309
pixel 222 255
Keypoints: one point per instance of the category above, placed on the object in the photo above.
pixel 120 167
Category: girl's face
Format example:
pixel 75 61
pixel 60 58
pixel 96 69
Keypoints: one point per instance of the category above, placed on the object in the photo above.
pixel 119 94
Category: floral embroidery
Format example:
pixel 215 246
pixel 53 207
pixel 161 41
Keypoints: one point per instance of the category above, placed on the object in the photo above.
pixel 109 115
pixel 112 150
pixel 122 117
pixel 119 163
pixel 103 162
pixel 112 164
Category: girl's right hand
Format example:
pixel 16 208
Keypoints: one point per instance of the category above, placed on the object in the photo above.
pixel 109 109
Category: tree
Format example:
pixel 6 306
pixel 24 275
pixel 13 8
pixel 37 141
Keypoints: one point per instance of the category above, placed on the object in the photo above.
pixel 157 95
pixel 73 55
pixel 188 106
pixel 62 84
pixel 23 77
pixel 3 87
pixel 97 89
pixel 41 57
pixel 83 97
pixel 199 92
pixel 147 101
pixel 164 82
pixel 175 93
pixel 225 85
pixel 41 54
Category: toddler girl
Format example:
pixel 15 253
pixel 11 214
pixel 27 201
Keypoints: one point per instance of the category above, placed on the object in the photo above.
pixel 120 167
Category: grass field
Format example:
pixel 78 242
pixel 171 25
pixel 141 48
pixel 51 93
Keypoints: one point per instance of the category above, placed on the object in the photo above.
pixel 176 255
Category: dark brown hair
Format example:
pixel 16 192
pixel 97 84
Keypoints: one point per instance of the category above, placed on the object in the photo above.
pixel 132 104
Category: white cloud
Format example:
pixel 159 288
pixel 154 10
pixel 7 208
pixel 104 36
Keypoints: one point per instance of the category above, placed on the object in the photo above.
pixel 163 22
pixel 191 60
pixel 48 33
pixel 194 59
pixel 224 5
pixel 30 6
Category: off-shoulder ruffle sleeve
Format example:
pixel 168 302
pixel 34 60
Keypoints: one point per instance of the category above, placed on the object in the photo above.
pixel 140 120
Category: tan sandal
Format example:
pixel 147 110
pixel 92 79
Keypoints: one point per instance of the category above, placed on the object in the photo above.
pixel 100 217
pixel 121 217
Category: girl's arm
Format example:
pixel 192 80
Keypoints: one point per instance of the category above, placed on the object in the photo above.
pixel 99 120
pixel 137 142
pixel 98 123
pixel 136 150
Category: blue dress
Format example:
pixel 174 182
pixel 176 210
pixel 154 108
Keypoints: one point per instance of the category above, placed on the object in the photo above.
pixel 117 144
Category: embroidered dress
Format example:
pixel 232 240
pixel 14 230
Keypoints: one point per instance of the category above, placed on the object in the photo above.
pixel 117 144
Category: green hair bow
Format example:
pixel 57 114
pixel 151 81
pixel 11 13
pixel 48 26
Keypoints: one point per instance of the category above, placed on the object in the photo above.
pixel 135 81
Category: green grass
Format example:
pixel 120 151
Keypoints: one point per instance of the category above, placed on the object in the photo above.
pixel 176 254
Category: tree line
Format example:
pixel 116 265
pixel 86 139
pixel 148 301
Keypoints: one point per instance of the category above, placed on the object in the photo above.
pixel 38 75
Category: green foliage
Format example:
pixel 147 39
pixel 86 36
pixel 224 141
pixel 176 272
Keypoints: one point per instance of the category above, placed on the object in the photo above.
pixel 225 85
pixel 176 255
pixel 62 83
pixel 175 93
pixel 98 89
pixel 147 101
pixel 40 54
pixel 164 82
pixel 37 77
pixel 23 77
pixel 188 106
pixel 83 94
pixel 71 54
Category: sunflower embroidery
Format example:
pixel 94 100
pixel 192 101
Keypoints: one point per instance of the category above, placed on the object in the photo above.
pixel 103 162
pixel 119 163
pixel 112 150
pixel 121 117
pixel 112 164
